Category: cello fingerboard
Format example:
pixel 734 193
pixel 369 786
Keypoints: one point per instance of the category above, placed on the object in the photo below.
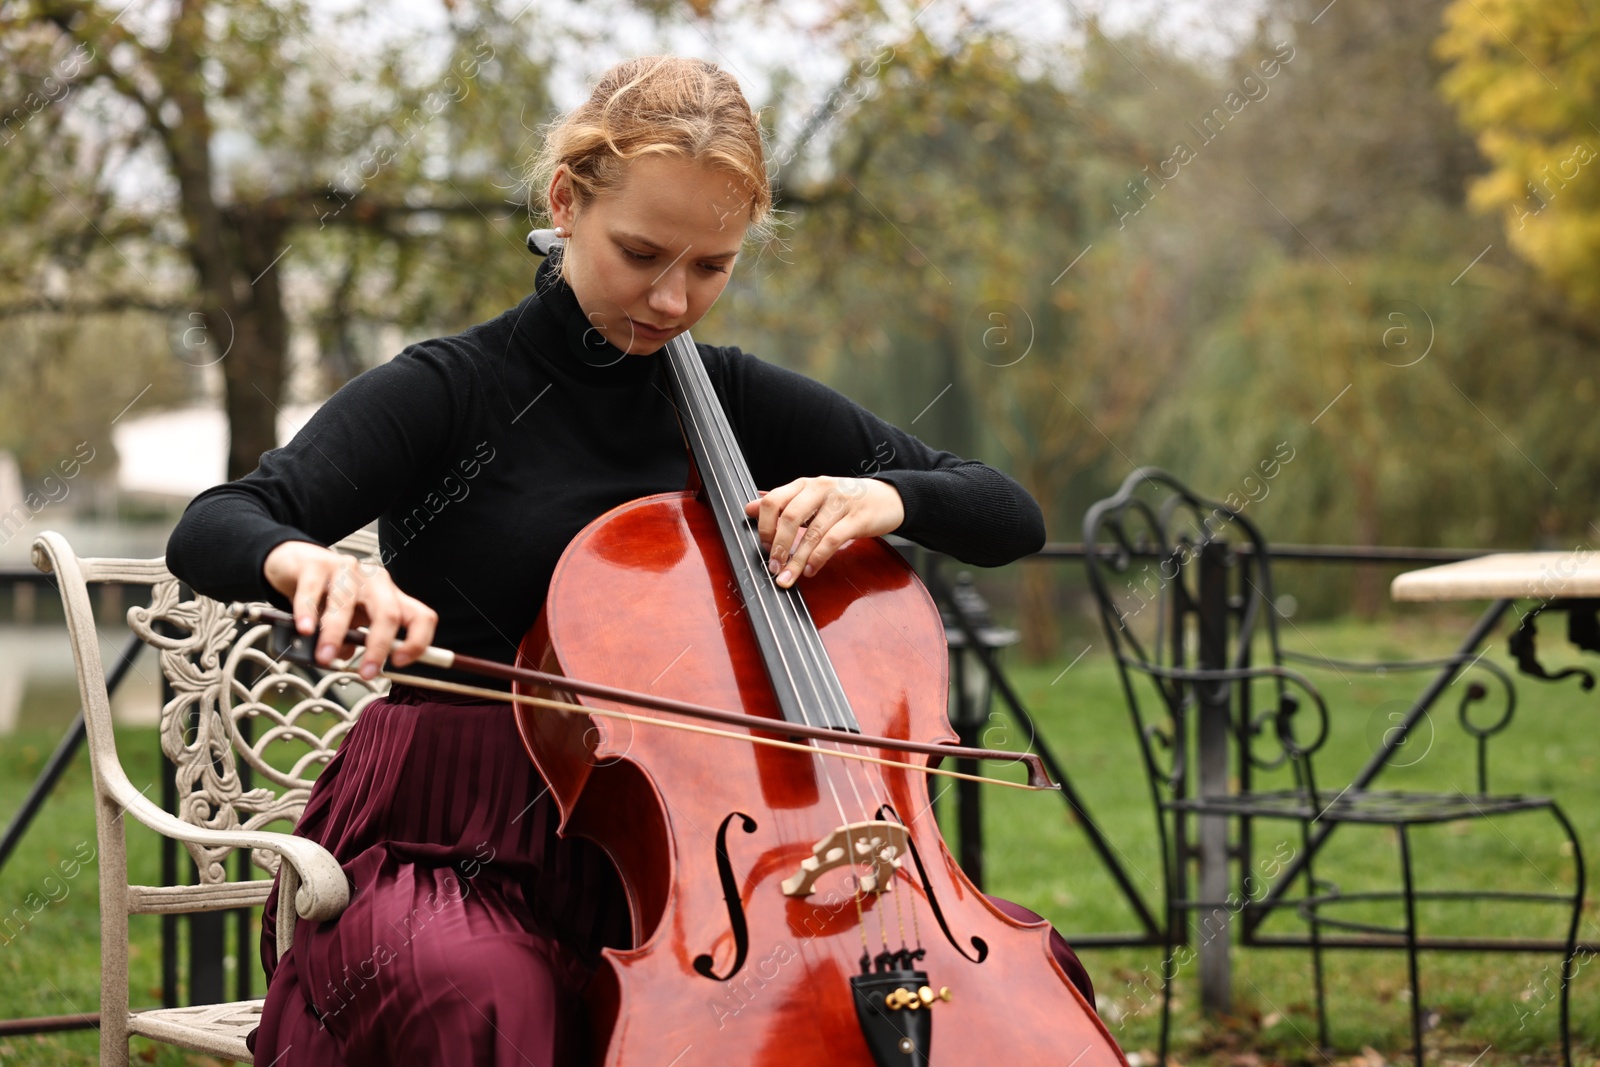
pixel 807 688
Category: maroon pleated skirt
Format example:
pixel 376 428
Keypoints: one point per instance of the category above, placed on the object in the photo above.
pixel 472 927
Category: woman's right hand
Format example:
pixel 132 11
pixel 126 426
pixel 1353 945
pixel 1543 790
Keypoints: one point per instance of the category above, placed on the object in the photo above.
pixel 342 591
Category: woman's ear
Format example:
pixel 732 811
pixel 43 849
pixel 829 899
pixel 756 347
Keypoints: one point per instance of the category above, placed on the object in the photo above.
pixel 559 196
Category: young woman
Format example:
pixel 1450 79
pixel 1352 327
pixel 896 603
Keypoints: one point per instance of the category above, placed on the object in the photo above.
pixel 472 926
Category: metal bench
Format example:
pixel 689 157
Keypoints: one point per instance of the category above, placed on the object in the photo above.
pixel 225 684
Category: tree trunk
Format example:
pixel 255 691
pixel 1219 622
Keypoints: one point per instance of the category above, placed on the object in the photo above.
pixel 1037 607
pixel 253 381
pixel 1368 587
pixel 254 372
pixel 1041 631
pixel 235 253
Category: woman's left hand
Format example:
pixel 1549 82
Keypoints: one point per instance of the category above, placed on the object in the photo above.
pixel 831 511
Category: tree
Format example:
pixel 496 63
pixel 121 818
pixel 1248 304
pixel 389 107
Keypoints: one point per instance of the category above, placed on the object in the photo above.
pixel 1522 77
pixel 247 140
pixel 1432 387
pixel 64 382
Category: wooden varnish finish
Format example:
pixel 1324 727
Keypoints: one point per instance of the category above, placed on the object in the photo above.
pixel 644 599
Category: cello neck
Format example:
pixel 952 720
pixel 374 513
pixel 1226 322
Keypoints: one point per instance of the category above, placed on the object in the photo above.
pixel 807 688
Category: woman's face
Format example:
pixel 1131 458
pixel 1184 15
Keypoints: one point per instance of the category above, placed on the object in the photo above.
pixel 649 258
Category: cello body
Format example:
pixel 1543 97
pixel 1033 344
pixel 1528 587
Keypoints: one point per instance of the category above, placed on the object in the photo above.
pixel 727 968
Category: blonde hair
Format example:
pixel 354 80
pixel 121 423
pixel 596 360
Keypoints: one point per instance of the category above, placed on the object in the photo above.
pixel 662 105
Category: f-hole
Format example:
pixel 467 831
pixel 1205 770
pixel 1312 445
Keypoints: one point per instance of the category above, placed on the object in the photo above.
pixel 979 944
pixel 703 963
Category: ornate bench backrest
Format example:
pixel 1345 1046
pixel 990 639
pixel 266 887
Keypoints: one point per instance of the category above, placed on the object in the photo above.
pixel 226 684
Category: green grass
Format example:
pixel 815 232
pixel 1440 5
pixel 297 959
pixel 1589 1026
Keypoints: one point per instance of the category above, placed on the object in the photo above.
pixel 50 952
pixel 1038 856
pixel 1489 1005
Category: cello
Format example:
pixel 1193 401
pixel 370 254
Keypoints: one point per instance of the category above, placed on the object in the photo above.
pixel 791 901
pixel 791 898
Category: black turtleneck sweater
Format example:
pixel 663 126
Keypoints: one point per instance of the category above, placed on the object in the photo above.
pixel 482 454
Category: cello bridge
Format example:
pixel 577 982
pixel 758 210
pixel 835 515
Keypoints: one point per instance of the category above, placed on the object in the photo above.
pixel 881 845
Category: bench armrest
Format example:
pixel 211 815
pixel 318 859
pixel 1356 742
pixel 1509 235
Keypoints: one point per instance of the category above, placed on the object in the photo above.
pixel 311 883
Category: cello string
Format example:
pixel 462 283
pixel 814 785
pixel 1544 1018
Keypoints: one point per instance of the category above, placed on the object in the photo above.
pixel 685 360
pixel 773 602
pixel 804 637
pixel 748 549
pixel 716 480
pixel 792 609
pixel 694 385
pixel 805 640
pixel 874 779
pixel 873 782
pixel 805 624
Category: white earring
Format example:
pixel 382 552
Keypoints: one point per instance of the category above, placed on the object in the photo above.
pixel 563 233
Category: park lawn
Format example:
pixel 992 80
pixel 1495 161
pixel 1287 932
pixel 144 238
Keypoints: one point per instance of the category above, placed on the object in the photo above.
pixel 1492 1009
pixel 1500 1007
pixel 50 961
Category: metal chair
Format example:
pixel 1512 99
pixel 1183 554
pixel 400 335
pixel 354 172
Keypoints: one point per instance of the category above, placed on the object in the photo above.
pixel 1184 589
pixel 225 680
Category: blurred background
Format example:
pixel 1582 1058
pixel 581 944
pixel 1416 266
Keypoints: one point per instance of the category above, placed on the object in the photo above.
pixel 1356 237
pixel 1067 239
